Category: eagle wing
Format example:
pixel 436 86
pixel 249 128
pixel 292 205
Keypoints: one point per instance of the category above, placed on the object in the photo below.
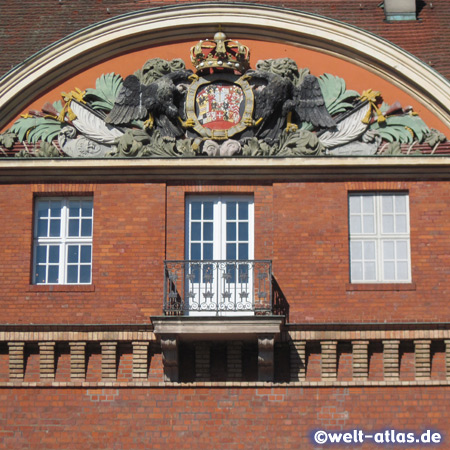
pixel 132 102
pixel 309 103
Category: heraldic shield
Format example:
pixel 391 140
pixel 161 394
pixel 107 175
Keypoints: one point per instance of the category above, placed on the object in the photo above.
pixel 220 105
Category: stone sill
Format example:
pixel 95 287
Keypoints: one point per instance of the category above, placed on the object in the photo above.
pixel 220 384
pixel 61 288
pixel 380 286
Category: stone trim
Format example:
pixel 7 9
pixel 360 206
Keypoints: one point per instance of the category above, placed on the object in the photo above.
pixel 140 359
pixel 109 360
pixel 422 359
pixel 266 357
pixel 16 360
pixel 391 361
pixel 169 348
pixel 329 360
pixel 360 363
pixel 220 384
pixel 47 360
pixel 77 360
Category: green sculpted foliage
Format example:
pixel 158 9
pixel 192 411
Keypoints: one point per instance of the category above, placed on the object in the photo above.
pixel 337 98
pixel 107 88
pixel 38 127
pixel 404 129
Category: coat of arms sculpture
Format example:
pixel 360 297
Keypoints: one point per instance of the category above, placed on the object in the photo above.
pixel 224 108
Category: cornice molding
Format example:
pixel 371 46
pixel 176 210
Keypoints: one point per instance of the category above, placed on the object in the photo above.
pixel 194 21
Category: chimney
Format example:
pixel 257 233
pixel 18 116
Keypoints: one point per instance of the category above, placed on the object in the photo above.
pixel 400 10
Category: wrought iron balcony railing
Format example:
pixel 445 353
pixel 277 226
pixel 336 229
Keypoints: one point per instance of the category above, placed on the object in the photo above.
pixel 218 287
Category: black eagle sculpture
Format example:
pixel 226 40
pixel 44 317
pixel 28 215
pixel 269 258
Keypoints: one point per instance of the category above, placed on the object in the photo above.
pixel 160 101
pixel 280 99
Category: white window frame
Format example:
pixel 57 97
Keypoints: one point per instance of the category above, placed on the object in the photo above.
pixel 62 242
pixel 376 241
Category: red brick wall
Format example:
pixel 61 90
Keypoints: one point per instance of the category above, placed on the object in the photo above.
pixel 302 227
pixel 211 418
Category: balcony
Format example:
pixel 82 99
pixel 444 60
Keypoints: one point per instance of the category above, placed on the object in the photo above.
pixel 218 288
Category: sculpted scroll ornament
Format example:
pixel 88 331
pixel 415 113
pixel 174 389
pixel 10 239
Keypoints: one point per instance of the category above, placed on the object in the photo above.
pixel 224 109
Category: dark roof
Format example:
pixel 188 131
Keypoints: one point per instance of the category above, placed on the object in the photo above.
pixel 35 24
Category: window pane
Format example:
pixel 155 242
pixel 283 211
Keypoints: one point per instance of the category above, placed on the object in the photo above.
pixel 357 274
pixel 368 203
pixel 208 251
pixel 356 250
pixel 42 228
pixel 86 227
pixel 41 254
pixel 389 271
pixel 86 208
pixel 355 224
pixel 42 209
pixel 402 271
pixel 208 210
pixel 39 274
pixel 53 254
pixel 85 274
pixel 196 231
pixel 72 254
pixel 208 231
pixel 243 251
pixel 72 274
pixel 243 231
pixel 55 227
pixel 388 250
pixel 195 252
pixel 369 224
pixel 231 211
pixel 231 231
pixel 231 251
pixel 369 250
pixel 85 254
pixel 355 204
pixel 388 224
pixel 370 271
pixel 387 203
pixel 53 272
pixel 402 250
pixel 401 224
pixel 55 209
pixel 196 210
pixel 400 203
pixel 74 227
pixel 243 211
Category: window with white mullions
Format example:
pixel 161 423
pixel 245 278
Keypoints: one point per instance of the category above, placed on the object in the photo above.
pixel 63 241
pixel 219 234
pixel 379 237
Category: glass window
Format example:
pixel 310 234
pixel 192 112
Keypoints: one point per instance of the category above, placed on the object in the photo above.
pixel 379 238
pixel 63 241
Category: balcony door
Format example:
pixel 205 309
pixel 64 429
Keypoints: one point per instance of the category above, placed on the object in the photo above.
pixel 219 247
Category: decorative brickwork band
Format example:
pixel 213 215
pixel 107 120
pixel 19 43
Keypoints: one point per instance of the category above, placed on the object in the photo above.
pixel 234 360
pixel 391 359
pixel 77 360
pixel 360 350
pixel 16 360
pixel 265 357
pixel 169 348
pixel 423 359
pixel 297 351
pixel 47 360
pixel 202 361
pixel 447 358
pixel 109 360
pixel 140 359
pixel 329 360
